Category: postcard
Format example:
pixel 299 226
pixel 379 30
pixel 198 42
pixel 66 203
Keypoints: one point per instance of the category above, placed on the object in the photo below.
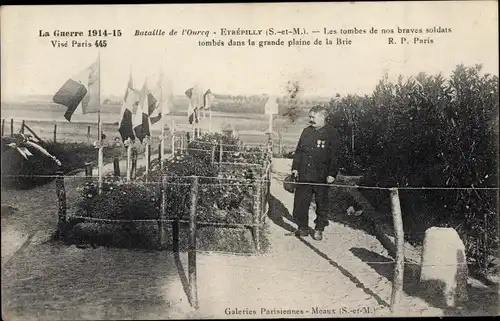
pixel 250 160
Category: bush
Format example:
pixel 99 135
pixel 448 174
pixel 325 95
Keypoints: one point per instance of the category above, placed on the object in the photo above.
pixel 225 192
pixel 434 132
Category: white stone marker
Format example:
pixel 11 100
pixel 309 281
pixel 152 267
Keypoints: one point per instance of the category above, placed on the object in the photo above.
pixel 444 270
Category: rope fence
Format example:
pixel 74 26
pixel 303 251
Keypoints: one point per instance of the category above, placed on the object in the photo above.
pixel 282 180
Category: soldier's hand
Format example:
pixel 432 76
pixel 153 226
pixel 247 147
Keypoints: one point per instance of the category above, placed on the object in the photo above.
pixel 330 179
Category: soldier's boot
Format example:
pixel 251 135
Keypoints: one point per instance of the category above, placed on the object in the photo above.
pixel 318 235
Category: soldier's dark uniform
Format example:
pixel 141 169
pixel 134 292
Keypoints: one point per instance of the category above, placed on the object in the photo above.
pixel 315 159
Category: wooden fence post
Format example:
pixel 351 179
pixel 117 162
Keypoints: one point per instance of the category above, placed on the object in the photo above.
pixel 280 147
pixel 55 133
pixel 193 286
pixel 149 156
pixel 159 154
pixel 22 127
pixel 12 127
pixel 213 155
pixel 220 152
pixel 116 166
pixel 88 170
pixel 256 215
pixel 3 127
pixel 397 282
pixel 88 133
pixel 134 164
pixel 61 198
pixel 163 212
pixel 173 144
pixel 181 149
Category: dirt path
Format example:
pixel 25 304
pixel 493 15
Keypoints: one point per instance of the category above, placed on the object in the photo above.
pixel 347 274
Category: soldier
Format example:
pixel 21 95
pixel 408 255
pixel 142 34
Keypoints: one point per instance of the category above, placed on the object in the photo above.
pixel 314 162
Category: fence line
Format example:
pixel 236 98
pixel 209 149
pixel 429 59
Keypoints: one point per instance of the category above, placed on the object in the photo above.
pixel 295 183
pixel 223 151
pixel 220 143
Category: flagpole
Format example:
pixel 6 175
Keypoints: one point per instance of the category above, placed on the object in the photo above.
pixel 172 131
pixel 146 138
pixel 129 159
pixel 210 119
pixel 129 146
pixel 162 109
pixel 99 130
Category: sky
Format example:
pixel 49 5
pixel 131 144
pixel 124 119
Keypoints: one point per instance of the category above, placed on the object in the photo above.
pixel 31 66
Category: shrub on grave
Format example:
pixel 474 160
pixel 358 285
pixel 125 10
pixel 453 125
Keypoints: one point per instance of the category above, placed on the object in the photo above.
pixel 430 131
pixel 224 197
pixel 119 200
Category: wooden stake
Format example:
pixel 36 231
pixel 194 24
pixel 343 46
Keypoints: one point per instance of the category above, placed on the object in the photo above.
pixel 172 132
pixel 182 144
pixel 12 127
pixel 22 127
pixel 397 282
pixel 129 161
pixel 55 133
pixel 116 166
pixel 100 156
pixel 134 164
pixel 3 126
pixel 88 170
pixel 220 151
pixel 210 120
pixel 88 133
pixel 173 145
pixel 256 215
pixel 61 197
pixel 213 155
pixel 147 151
pixel 163 212
pixel 193 287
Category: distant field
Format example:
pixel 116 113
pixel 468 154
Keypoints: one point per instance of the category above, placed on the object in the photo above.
pixel 41 117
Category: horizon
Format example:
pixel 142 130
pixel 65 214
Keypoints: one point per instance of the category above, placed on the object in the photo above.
pixel 310 96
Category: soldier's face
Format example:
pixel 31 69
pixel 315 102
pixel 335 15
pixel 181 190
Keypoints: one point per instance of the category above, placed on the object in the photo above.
pixel 316 120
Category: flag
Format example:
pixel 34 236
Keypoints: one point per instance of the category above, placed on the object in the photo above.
pixel 142 118
pixel 154 99
pixel 130 102
pixel 81 91
pixel 207 99
pixel 195 102
pixel 140 121
pixel 160 98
